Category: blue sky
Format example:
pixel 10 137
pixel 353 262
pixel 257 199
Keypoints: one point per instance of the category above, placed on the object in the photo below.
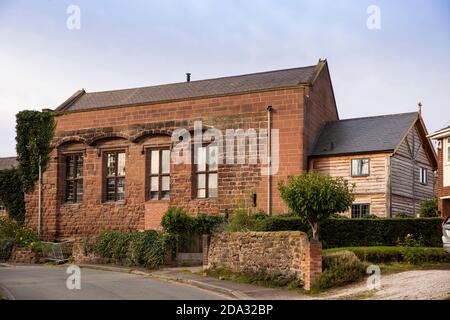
pixel 124 44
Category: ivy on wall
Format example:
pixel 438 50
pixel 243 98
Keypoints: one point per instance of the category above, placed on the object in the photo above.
pixel 34 133
pixel 11 193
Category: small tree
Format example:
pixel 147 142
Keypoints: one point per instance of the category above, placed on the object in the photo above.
pixel 314 198
pixel 429 208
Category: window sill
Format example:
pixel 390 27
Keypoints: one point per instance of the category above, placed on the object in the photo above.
pixel 111 203
pixel 71 204
pixel 157 201
pixel 206 199
pixel 361 176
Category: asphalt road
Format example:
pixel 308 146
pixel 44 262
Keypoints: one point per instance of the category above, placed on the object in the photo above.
pixel 49 282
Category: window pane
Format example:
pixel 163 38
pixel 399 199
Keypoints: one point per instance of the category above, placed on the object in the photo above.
pixel 121 165
pixel 154 184
pixel 69 166
pixel 201 193
pixel 79 190
pixel 212 185
pixel 165 183
pixel 69 190
pixel 364 166
pixel 110 189
pixel 213 157
pixel 155 162
pixel 354 167
pixel 154 195
pixel 201 181
pixel 165 195
pixel 111 164
pixel 165 165
pixel 120 189
pixel 201 159
pixel 79 166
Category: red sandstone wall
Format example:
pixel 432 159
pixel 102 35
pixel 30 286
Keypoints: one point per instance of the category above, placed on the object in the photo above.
pixel 80 131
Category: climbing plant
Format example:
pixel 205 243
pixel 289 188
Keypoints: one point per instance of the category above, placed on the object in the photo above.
pixel 11 193
pixel 34 133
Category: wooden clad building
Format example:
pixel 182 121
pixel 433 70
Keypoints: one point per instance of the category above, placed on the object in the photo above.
pixel 389 160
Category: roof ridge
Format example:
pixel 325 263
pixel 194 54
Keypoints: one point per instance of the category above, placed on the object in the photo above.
pixel 9 157
pixel 197 81
pixel 373 117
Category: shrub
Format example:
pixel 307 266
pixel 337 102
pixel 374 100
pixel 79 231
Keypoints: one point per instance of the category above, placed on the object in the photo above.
pixel 314 198
pixel 414 255
pixel 205 224
pixel 410 241
pixel 176 221
pixel 363 232
pixel 22 235
pixel 145 248
pixel 11 193
pixel 243 220
pixel 394 254
pixel 429 208
pixel 6 246
pixel 340 268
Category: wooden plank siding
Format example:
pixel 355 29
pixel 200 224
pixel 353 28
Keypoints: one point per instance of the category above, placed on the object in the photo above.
pixel 406 190
pixel 370 189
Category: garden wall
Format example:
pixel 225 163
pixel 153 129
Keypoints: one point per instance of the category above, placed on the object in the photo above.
pixel 274 253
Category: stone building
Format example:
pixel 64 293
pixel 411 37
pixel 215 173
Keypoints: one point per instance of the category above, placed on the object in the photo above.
pixel 112 167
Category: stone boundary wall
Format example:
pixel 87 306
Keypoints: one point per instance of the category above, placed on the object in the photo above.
pixel 24 255
pixel 276 253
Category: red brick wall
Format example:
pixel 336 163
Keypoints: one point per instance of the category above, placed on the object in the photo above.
pixel 119 127
pixel 320 108
pixel 443 205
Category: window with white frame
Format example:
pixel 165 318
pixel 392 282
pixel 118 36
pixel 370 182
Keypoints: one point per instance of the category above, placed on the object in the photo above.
pixel 360 167
pixel 206 171
pixel 423 175
pixel 159 175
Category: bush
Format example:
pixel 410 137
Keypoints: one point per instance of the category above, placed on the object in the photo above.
pixel 429 208
pixel 6 246
pixel 314 198
pixel 395 254
pixel 22 235
pixel 243 220
pixel 177 221
pixel 145 248
pixel 363 232
pixel 340 268
pixel 205 224
pixel 11 193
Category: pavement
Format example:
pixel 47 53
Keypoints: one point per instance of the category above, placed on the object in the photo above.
pixel 42 282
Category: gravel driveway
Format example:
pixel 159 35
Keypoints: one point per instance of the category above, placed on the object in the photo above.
pixel 408 285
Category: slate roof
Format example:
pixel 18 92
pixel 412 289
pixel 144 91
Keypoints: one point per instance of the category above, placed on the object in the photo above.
pixel 82 100
pixel 362 135
pixel 8 163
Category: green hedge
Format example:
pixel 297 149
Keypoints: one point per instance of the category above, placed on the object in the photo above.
pixel 395 254
pixel 363 232
pixel 6 246
pixel 147 248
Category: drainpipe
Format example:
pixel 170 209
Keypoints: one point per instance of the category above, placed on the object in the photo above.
pixel 39 200
pixel 269 160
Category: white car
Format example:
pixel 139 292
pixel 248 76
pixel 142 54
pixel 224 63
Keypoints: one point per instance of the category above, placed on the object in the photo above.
pixel 446 234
